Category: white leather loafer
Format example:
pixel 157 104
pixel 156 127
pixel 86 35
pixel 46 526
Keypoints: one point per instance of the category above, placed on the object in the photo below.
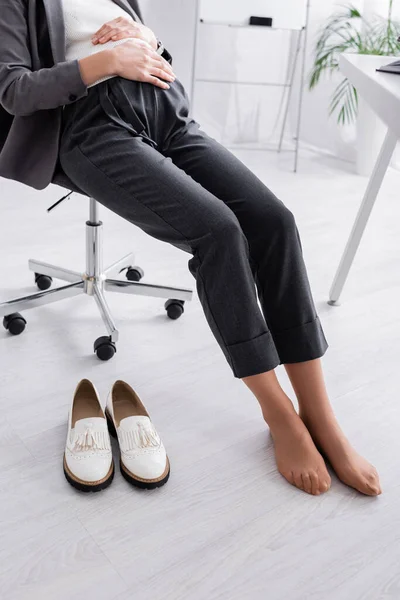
pixel 88 463
pixel 144 462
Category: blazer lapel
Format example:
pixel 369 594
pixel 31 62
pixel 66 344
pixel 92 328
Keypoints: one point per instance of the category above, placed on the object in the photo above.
pixel 126 5
pixel 55 22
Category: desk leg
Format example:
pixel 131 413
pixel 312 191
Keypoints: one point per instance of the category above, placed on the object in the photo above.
pixel 362 218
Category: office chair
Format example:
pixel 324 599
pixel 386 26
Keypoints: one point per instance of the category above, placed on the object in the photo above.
pixel 94 282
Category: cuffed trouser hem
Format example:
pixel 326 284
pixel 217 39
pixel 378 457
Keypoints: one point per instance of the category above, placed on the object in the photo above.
pixel 300 344
pixel 254 356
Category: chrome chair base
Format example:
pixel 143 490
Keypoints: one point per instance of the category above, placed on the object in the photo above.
pixel 95 282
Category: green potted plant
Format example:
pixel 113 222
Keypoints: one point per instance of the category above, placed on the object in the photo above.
pixel 348 31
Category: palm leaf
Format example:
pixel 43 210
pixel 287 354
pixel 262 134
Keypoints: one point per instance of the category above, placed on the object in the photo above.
pixel 345 100
pixel 344 31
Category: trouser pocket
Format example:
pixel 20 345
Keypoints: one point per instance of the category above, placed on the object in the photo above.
pixel 119 108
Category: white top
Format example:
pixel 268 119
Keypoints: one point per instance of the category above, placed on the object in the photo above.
pixel 380 90
pixel 82 19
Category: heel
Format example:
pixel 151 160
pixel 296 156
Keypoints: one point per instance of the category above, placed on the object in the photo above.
pixel 110 424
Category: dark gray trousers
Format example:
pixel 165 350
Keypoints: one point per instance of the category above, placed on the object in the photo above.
pixel 133 147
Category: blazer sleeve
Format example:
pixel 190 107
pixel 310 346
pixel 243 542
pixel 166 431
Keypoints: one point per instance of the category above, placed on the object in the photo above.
pixel 22 90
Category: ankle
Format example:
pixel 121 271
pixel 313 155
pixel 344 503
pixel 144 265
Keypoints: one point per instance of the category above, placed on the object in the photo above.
pixel 322 418
pixel 280 420
pixel 323 427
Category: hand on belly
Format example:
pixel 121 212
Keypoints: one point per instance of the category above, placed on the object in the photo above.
pixel 124 28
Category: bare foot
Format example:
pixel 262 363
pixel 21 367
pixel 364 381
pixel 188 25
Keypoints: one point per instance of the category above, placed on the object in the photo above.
pixel 351 468
pixel 297 457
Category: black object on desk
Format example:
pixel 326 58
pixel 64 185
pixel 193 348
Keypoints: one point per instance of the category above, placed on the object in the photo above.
pixel 264 21
pixel 393 67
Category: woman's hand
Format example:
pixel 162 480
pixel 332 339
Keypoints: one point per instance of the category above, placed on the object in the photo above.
pixel 138 61
pixel 122 28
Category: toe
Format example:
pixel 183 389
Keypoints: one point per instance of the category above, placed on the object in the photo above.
pixel 315 490
pixel 373 488
pixel 324 485
pixel 364 484
pixel 307 484
pixel 374 478
pixel 298 481
pixel 328 481
pixel 372 482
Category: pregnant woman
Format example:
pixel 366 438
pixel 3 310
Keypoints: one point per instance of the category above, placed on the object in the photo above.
pixel 87 88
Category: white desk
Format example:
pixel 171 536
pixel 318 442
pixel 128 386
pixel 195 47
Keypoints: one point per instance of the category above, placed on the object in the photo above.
pixel 382 92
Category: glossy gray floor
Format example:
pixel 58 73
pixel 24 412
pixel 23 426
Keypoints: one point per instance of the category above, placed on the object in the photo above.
pixel 227 526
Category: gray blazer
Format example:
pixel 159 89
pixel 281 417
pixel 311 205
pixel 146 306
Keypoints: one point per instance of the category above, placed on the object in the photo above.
pixel 35 83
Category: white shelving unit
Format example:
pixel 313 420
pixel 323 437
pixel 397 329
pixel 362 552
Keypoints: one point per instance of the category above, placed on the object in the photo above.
pixel 298 41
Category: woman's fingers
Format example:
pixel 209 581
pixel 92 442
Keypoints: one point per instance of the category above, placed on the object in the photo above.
pixel 157 82
pixel 121 34
pixel 119 22
pixel 102 31
pixel 162 74
pixel 161 63
pixel 116 33
pixel 107 35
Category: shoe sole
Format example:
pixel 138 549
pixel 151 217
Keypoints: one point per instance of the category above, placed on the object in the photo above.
pixel 144 484
pixel 89 486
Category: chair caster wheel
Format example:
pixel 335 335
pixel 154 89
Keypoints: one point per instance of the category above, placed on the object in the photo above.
pixel 134 273
pixel 104 348
pixel 43 281
pixel 14 323
pixel 174 308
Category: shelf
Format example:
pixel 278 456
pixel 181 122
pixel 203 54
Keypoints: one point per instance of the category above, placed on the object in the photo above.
pixel 235 82
pixel 258 147
pixel 248 26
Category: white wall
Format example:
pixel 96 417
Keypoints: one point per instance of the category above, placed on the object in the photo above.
pixel 174 23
